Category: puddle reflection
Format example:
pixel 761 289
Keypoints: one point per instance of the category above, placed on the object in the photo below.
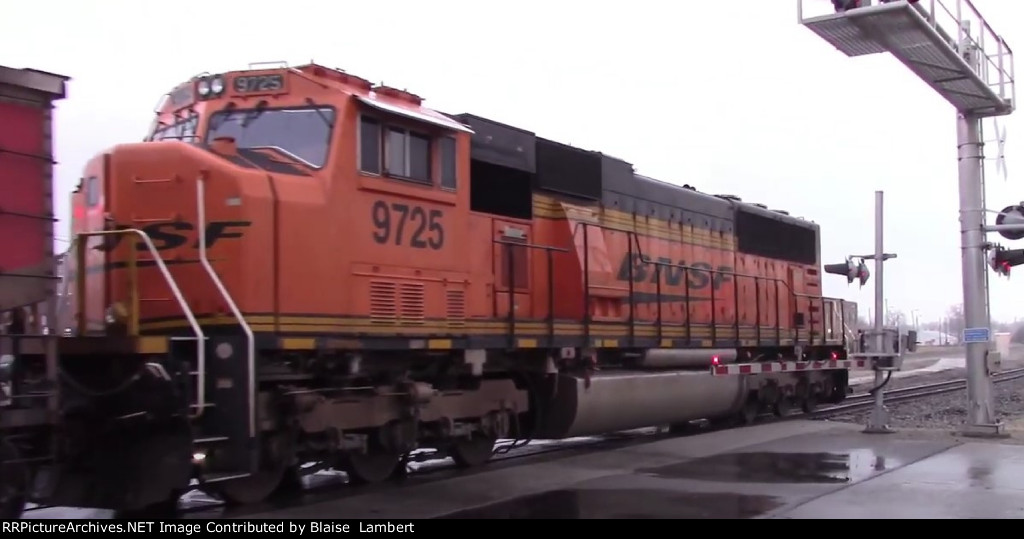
pixel 624 504
pixel 766 467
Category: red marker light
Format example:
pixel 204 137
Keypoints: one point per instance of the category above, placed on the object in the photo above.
pixel 714 360
pixel 835 355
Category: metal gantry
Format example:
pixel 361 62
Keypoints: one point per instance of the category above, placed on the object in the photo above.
pixel 949 45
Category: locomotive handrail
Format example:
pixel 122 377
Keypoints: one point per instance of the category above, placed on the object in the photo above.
pixel 250 338
pixel 634 239
pixel 757 278
pixel 80 274
pixel 549 250
pixel 586 278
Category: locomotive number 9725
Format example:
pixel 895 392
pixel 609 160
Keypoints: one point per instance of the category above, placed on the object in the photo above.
pixel 400 224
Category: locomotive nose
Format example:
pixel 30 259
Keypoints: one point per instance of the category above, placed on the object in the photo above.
pixel 88 215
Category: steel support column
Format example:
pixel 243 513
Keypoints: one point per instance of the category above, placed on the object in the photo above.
pixel 981 419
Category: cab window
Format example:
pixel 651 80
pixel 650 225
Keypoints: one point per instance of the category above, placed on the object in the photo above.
pixel 183 129
pixel 302 134
pixel 404 153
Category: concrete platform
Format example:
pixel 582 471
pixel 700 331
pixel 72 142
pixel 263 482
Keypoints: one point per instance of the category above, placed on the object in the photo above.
pixel 797 469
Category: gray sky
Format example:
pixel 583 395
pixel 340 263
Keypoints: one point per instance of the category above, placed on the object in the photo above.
pixel 730 96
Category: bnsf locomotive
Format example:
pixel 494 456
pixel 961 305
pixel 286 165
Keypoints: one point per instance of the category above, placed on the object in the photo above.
pixel 297 265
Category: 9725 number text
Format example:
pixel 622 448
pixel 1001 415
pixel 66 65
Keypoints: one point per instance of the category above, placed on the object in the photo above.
pixel 390 225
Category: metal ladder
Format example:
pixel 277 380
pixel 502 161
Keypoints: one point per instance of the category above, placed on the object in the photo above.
pixel 250 351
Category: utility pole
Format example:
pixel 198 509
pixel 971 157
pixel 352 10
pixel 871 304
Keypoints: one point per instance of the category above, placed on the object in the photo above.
pixel 981 415
pixel 880 342
pixel 878 422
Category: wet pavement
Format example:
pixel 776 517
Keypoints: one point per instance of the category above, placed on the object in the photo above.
pixel 793 469
pixel 973 480
pixel 757 481
pixel 797 469
pixel 632 503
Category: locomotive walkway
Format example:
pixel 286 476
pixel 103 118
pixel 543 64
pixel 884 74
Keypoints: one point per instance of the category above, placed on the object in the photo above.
pixel 793 469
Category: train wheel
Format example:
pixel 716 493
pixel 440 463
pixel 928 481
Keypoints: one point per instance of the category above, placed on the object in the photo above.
pixel 681 429
pixel 473 452
pixel 751 409
pixel 276 472
pixel 13 482
pixel 783 406
pixel 369 468
pixel 809 404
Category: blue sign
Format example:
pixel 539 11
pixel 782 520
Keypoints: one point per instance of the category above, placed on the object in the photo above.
pixel 976 335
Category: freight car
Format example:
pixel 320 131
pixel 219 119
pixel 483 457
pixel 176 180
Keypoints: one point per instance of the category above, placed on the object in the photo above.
pixel 28 279
pixel 297 265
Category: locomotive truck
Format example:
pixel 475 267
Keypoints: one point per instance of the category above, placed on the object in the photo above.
pixel 296 265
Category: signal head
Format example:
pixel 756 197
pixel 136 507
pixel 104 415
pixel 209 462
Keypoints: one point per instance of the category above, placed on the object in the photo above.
pixel 850 270
pixel 1011 215
pixel 862 273
pixel 1002 259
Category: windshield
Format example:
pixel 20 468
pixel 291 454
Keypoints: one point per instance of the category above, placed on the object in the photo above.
pixel 302 134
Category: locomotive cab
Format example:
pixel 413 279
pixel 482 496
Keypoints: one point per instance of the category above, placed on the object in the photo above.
pixel 293 161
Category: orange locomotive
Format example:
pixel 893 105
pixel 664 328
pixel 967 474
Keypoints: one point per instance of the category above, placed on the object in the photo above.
pixel 313 268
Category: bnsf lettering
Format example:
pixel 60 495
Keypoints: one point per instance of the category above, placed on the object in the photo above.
pixel 698 276
pixel 174 234
pixel 402 224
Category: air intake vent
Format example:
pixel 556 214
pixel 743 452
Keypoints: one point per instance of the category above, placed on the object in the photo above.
pixel 383 308
pixel 411 302
pixel 456 305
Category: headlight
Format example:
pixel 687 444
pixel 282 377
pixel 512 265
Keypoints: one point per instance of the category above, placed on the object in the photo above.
pixel 217 85
pixel 203 87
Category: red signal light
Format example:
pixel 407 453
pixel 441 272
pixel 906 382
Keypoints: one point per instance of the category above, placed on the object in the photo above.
pixel 714 360
pixel 1002 260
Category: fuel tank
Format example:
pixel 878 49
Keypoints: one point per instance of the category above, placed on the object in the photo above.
pixel 617 401
pixel 674 358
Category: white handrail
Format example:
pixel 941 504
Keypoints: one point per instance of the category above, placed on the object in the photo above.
pixel 251 341
pixel 200 337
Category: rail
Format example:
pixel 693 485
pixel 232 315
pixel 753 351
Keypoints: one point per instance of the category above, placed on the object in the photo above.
pixel 634 242
pixel 250 338
pixel 80 248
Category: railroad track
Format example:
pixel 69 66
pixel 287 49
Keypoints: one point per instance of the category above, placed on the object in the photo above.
pixel 864 401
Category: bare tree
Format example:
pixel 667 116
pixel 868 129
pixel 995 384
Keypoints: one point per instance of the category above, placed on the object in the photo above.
pixel 895 319
pixel 955 319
